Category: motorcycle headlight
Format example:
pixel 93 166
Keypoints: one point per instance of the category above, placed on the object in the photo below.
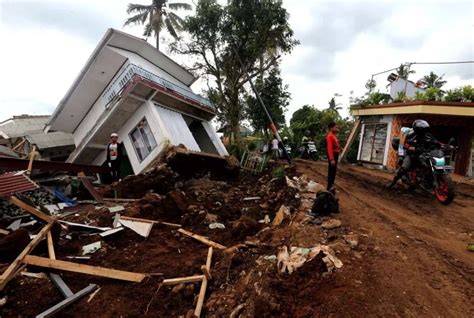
pixel 439 161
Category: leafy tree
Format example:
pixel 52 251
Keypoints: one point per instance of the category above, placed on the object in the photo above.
pixel 227 41
pixel 404 71
pixel 276 98
pixel 156 15
pixel 433 80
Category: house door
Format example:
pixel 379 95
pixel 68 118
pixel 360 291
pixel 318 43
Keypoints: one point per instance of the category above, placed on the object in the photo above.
pixel 373 143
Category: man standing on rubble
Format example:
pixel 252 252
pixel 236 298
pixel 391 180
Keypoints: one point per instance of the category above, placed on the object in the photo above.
pixel 114 156
pixel 333 153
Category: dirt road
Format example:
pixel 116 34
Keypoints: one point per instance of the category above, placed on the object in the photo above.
pixel 413 261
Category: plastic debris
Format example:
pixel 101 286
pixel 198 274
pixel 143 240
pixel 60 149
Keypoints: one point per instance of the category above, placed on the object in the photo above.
pixel 216 225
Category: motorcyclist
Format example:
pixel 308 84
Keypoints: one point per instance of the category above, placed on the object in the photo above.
pixel 306 137
pixel 413 145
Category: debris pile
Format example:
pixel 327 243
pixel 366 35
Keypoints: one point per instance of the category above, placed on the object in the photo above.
pixel 219 244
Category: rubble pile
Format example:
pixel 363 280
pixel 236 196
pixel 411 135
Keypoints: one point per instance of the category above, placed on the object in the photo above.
pixel 257 226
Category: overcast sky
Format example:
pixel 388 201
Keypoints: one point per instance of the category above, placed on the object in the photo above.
pixel 45 43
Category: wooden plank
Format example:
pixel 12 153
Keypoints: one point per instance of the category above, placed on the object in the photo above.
pixel 120 200
pixel 11 270
pixel 90 188
pixel 84 269
pixel 350 139
pixel 183 280
pixel 150 221
pixel 51 252
pixel 202 292
pixel 30 163
pixel 202 239
pixel 32 210
pixel 68 301
pixel 4 232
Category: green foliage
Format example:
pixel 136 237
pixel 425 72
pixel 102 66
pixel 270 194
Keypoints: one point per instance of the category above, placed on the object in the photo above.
pixel 227 41
pixel 371 84
pixel 316 121
pixel 404 71
pixel 276 98
pixel 401 98
pixel 433 80
pixel 468 93
pixel 333 105
pixel 430 94
pixel 454 95
pixel 156 16
pixel 278 173
pixel 374 98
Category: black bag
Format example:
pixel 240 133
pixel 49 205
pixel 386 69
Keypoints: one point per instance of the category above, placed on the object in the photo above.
pixel 325 204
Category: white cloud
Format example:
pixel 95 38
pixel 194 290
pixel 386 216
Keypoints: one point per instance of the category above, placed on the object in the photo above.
pixel 45 43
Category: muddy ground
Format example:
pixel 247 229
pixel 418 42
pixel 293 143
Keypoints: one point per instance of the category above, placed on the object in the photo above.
pixel 410 259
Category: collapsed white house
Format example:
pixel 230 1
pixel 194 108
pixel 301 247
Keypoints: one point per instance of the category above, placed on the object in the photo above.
pixel 129 87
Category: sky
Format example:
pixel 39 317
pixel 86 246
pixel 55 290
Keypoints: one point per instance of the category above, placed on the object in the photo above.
pixel 45 44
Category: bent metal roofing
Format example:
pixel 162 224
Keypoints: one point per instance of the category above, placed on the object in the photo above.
pixel 15 182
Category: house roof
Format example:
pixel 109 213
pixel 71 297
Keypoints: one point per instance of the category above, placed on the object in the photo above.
pixel 22 125
pixel 227 128
pixel 418 107
pixel 15 182
pixel 51 139
pixel 101 67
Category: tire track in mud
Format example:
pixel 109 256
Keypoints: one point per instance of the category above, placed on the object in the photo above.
pixel 420 226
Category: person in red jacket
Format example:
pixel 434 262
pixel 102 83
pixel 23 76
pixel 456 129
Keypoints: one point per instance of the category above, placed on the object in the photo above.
pixel 333 153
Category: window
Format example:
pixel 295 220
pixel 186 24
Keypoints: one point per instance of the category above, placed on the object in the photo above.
pixel 142 139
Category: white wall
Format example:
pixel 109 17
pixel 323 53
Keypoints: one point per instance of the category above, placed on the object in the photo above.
pixel 140 61
pixel 215 138
pixel 399 86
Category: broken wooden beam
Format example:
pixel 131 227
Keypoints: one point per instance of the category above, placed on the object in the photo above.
pixel 12 269
pixel 4 232
pixel 183 280
pixel 350 140
pixel 150 221
pixel 51 252
pixel 202 292
pixel 84 269
pixel 90 187
pixel 30 163
pixel 28 208
pixel 202 239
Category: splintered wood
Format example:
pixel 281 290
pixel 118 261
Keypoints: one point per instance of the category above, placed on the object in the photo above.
pixel 202 239
pixel 12 269
pixel 202 292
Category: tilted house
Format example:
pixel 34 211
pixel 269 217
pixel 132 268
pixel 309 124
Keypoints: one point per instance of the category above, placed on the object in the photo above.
pixel 380 123
pixel 129 87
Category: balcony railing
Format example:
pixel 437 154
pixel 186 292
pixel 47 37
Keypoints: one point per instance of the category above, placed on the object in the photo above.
pixel 125 76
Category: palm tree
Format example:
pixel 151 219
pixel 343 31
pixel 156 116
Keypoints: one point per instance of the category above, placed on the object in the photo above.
pixel 333 106
pixel 155 16
pixel 403 71
pixel 433 80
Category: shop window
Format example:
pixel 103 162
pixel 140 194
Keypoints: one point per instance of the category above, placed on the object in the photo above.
pixel 143 140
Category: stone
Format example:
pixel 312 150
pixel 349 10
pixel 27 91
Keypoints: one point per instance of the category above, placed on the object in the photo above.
pixel 331 224
pixel 340 247
pixel 352 240
pixel 211 218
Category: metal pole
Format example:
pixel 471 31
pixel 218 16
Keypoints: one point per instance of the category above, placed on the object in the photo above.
pixel 272 123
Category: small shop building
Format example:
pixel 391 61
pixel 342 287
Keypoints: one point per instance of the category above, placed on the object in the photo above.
pixel 380 123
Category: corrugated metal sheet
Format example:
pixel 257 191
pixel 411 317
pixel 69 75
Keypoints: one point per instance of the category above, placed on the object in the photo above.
pixel 178 129
pixel 15 182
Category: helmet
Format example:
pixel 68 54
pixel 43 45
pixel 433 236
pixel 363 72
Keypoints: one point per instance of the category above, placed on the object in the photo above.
pixel 285 138
pixel 307 133
pixel 420 127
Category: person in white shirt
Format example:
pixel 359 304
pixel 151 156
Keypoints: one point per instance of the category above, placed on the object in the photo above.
pixel 275 148
pixel 114 156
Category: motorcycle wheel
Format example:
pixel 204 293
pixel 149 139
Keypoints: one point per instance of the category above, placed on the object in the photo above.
pixel 445 190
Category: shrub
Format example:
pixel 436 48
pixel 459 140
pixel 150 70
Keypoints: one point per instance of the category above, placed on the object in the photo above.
pixel 454 95
pixel 468 93
pixel 433 94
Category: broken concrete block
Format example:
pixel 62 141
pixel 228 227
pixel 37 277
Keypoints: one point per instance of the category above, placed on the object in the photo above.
pixel 141 228
pixel 91 248
pixel 115 209
pixel 15 225
pixel 331 224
